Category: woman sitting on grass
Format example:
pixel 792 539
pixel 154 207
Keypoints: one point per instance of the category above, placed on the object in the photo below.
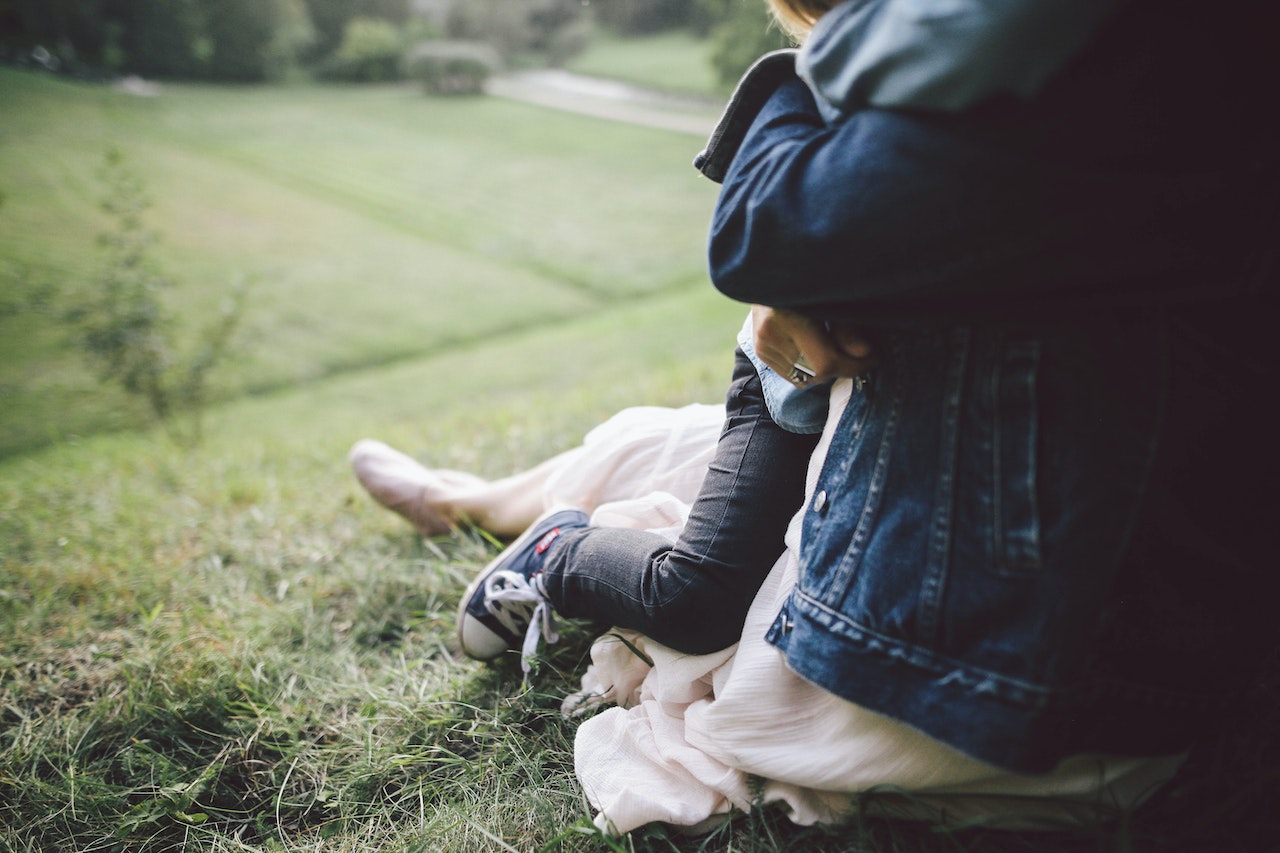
pixel 996 584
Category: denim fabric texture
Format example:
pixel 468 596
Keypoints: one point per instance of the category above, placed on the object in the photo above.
pixel 1036 535
pixel 946 56
pixel 749 97
pixel 954 574
pixel 1103 190
pixel 802 410
pixel 693 596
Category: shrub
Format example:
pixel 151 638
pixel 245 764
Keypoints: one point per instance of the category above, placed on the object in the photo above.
pixel 120 322
pixel 293 38
pixel 568 41
pixel 370 52
pixel 744 35
pixel 636 17
pixel 451 67
pixel 516 29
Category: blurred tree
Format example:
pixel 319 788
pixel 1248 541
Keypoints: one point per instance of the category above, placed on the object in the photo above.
pixel 127 333
pixel 10 21
pixel 330 18
pixel 249 40
pixel 293 37
pixel 73 30
pixel 163 38
pixel 205 39
pixel 239 33
pixel 745 31
pixel 370 52
pixel 549 27
pixel 631 17
pixel 567 41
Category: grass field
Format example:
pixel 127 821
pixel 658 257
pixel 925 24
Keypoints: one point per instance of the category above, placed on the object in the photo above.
pixel 674 61
pixel 369 226
pixel 229 647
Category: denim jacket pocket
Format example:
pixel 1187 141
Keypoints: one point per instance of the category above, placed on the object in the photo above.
pixel 1015 442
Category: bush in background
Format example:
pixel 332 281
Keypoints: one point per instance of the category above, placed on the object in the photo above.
pixel 550 28
pixel 745 32
pixel 638 17
pixel 370 52
pixel 331 17
pixel 451 67
pixel 239 33
pixel 349 40
pixel 567 41
pixel 293 39
pixel 224 40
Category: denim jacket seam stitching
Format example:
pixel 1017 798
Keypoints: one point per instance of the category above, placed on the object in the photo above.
pixel 1008 556
pixel 842 578
pixel 936 573
pixel 925 658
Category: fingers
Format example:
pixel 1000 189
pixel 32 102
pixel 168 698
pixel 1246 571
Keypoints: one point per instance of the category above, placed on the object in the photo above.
pixel 783 338
pixel 854 345
pixel 803 350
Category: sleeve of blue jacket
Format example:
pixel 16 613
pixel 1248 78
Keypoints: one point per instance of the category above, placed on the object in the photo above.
pixel 897 216
pixel 914 54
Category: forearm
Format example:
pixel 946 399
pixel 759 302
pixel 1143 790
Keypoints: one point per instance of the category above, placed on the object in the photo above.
pixel 893 212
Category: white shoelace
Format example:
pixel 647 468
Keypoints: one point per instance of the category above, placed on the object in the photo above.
pixel 513 600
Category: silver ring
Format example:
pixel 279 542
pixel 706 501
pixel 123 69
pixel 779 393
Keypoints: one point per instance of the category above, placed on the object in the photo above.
pixel 800 374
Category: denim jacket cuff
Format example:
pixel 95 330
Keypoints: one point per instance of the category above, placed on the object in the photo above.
pixel 798 410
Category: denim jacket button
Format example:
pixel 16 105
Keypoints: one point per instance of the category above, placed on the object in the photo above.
pixel 820 502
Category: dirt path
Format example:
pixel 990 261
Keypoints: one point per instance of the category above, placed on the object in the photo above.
pixel 609 100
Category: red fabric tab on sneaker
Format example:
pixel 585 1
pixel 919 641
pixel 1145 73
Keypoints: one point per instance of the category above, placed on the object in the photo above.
pixel 547 538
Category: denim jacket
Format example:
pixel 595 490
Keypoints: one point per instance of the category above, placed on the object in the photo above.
pixel 905 54
pixel 1009 538
pixel 942 56
pixel 956 576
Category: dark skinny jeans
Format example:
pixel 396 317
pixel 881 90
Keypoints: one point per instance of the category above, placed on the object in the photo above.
pixel 694 596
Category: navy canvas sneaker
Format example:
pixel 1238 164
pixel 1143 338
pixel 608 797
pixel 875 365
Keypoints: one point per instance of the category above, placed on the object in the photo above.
pixel 505 607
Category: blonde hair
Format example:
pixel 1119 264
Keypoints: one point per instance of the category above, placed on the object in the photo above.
pixel 797 17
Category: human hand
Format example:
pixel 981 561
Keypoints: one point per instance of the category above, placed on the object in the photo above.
pixel 803 350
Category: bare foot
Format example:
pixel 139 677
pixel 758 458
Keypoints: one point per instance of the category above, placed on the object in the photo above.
pixel 423 496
